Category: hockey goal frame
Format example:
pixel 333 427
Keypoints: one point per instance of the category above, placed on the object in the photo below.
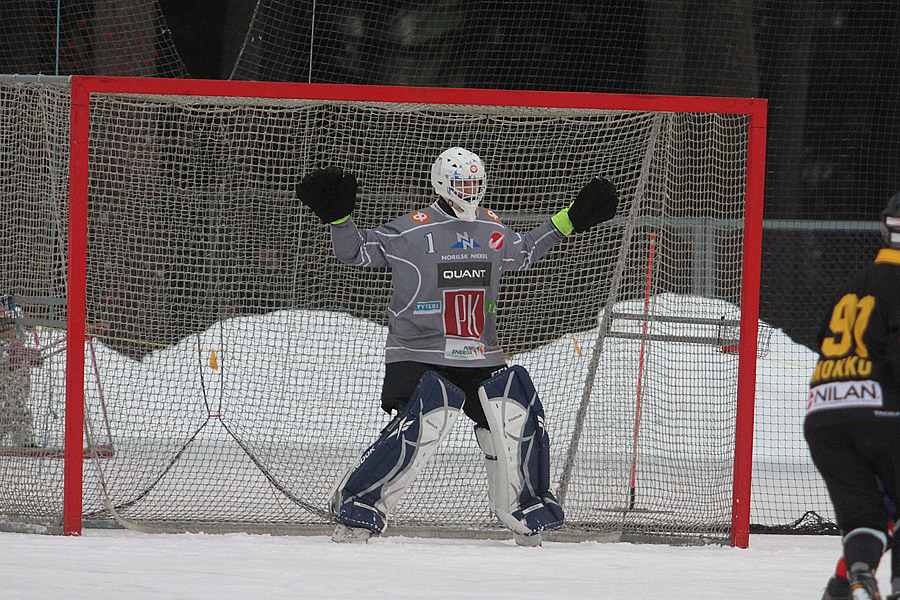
pixel 82 87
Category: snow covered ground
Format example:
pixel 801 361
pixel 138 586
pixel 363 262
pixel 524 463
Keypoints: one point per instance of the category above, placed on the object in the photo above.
pixel 118 564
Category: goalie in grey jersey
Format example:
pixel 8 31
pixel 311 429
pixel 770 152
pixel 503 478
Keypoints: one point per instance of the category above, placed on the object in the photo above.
pixel 442 350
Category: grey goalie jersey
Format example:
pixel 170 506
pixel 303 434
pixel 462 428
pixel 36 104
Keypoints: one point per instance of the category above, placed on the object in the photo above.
pixel 445 276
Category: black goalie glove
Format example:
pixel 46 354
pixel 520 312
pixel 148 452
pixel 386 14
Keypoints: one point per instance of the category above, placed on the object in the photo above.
pixel 329 192
pixel 596 202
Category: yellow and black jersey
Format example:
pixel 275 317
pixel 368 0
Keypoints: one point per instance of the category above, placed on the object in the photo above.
pixel 857 375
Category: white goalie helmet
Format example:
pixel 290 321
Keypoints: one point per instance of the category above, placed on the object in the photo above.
pixel 458 175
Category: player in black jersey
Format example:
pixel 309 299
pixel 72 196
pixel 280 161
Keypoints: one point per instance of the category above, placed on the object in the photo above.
pixel 852 420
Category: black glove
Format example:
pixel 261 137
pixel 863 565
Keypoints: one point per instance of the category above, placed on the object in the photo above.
pixel 596 202
pixel 329 192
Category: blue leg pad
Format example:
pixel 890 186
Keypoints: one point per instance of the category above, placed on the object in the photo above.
pixel 522 499
pixel 384 472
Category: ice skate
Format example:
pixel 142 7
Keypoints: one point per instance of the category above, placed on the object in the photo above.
pixel 895 589
pixel 344 534
pixel 863 586
pixel 527 540
pixel 838 588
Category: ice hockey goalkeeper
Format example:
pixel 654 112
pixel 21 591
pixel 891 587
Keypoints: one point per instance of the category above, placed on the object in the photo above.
pixel 442 353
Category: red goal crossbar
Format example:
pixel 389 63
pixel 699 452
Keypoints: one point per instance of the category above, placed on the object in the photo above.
pixel 83 86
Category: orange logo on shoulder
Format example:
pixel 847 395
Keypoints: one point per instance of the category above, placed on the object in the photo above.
pixel 492 215
pixel 420 216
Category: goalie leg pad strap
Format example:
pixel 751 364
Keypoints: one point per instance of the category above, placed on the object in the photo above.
pixel 521 496
pixel 372 488
pixel 496 482
pixel 498 485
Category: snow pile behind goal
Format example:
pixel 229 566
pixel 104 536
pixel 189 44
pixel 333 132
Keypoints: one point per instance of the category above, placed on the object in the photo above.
pixel 250 423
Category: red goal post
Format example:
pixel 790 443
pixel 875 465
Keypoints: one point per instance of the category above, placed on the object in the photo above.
pixel 84 87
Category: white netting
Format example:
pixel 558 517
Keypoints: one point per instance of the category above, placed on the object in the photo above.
pixel 236 369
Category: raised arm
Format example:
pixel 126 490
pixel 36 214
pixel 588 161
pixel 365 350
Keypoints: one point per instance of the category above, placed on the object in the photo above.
pixel 331 194
pixel 596 203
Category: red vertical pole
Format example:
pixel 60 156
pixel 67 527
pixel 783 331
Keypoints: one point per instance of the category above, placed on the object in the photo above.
pixel 75 310
pixel 632 495
pixel 750 269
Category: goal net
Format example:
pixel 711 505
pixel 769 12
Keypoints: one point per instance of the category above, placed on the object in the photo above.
pixel 231 367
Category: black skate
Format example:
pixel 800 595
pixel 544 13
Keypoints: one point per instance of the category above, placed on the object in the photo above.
pixel 863 586
pixel 838 588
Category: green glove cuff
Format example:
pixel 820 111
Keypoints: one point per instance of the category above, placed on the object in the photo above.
pixel 341 220
pixel 563 222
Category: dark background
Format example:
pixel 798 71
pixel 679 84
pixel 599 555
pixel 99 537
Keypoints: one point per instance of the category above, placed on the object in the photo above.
pixel 830 70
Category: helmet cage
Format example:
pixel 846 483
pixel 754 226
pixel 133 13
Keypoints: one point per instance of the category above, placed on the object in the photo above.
pixel 454 175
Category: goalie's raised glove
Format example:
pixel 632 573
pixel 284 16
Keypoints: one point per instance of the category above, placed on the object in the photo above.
pixel 329 192
pixel 596 202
